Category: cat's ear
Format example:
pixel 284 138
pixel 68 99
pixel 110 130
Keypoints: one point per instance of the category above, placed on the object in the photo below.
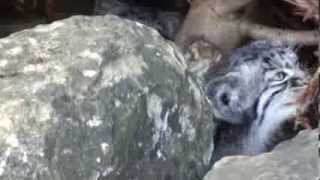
pixel 225 94
pixel 296 47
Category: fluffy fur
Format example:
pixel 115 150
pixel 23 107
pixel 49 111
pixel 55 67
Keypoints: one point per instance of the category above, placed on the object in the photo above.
pixel 254 98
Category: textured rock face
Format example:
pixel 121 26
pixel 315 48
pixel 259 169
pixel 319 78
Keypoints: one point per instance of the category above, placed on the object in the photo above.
pixel 99 98
pixel 295 159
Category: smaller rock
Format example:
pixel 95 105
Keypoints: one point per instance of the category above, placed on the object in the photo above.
pixel 295 159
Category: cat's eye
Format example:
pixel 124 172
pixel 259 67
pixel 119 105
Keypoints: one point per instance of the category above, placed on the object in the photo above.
pixel 280 76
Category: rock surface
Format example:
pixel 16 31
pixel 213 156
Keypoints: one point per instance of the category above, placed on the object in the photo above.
pixel 90 98
pixel 295 159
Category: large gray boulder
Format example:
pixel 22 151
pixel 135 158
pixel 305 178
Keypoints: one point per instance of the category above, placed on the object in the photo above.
pixel 90 98
pixel 295 159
